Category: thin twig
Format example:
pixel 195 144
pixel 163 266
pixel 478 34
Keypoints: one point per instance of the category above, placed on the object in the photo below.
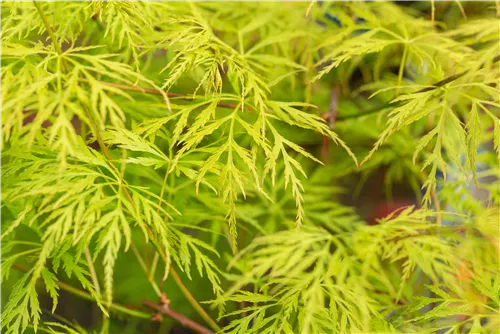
pixel 165 309
pixel 433 12
pixel 145 268
pixel 435 199
pixel 437 231
pixel 154 264
pixel 332 117
pixel 153 91
pixel 437 207
pixel 92 271
pixel 169 200
pixel 48 27
pixel 402 67
pixel 442 7
pixel 191 299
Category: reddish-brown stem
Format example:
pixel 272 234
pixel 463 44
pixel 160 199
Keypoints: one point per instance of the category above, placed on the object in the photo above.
pixel 165 309
pixel 332 117
pixel 192 300
pixel 154 91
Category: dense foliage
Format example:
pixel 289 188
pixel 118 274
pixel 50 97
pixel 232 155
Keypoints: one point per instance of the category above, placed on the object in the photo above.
pixel 207 164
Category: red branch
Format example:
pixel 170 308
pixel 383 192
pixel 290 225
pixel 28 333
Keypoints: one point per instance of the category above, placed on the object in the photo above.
pixel 154 91
pixel 165 309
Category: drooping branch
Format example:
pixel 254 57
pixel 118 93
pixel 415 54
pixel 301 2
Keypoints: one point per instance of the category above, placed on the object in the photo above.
pixel 87 296
pixel 339 117
pixel 434 86
pixel 105 150
pixel 163 309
